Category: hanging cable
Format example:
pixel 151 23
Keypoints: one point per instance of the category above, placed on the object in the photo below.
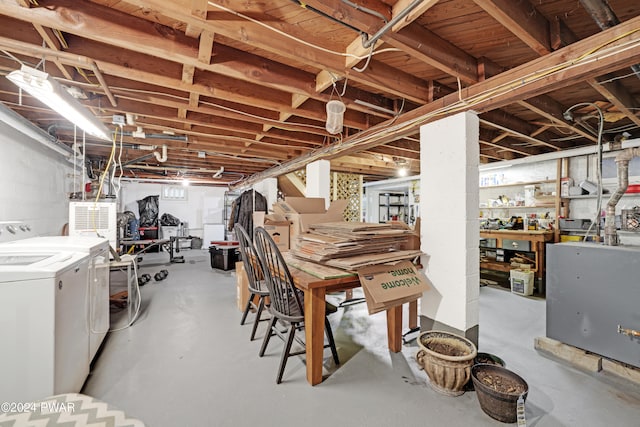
pixel 75 147
pixel 366 64
pixel 289 36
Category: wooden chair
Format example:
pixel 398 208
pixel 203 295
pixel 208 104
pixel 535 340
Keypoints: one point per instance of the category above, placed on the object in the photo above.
pixel 287 305
pixel 255 276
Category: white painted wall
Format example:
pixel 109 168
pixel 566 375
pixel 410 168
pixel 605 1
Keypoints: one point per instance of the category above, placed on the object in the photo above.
pixel 203 204
pixel 269 189
pixel 36 182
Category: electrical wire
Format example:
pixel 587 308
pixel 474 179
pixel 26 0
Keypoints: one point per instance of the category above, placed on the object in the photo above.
pixel 366 64
pixel 596 220
pixel 289 36
pixel 373 134
pixel 116 182
pixel 132 260
pixel 222 107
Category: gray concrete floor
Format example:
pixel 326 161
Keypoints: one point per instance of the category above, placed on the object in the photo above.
pixel 187 362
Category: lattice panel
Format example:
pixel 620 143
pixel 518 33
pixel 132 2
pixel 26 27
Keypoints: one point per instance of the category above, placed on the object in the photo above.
pixel 348 186
pixel 302 175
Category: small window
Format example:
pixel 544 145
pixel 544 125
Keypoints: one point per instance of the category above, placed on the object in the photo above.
pixel 174 192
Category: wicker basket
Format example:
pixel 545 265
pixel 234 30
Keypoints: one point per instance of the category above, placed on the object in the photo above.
pixel 448 372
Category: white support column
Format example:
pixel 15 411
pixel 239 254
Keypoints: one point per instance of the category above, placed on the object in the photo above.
pixel 269 189
pixel 449 156
pixel 319 180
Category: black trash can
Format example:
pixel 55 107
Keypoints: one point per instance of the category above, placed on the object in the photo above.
pixel 224 257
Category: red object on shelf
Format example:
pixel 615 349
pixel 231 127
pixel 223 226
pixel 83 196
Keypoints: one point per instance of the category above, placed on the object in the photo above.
pixel 633 188
pixel 224 243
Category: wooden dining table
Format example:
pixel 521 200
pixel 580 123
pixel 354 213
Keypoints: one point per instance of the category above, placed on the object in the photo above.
pixel 315 290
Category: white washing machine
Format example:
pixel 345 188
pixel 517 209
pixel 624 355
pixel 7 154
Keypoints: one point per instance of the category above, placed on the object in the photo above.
pixel 97 279
pixel 45 342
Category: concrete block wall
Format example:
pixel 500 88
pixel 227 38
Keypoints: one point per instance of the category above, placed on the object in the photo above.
pixel 36 182
pixel 203 204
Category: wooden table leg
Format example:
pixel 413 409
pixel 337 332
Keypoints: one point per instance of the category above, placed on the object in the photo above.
pixel 314 312
pixel 394 328
pixel 413 314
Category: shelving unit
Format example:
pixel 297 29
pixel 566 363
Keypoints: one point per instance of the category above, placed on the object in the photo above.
pixel 526 244
pixel 229 197
pixel 555 204
pixel 392 206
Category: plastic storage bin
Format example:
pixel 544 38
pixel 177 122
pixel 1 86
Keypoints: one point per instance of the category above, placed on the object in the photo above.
pixel 521 282
pixel 224 257
pixel 148 233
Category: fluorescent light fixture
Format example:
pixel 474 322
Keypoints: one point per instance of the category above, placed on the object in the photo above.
pixel 375 107
pixel 41 86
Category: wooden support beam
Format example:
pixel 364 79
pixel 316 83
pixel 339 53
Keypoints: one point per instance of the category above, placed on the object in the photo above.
pixel 619 96
pixel 552 110
pixel 536 77
pixel 523 20
pixel 53 42
pixel 199 10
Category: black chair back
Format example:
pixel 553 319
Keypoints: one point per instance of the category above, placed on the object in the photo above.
pixel 286 299
pixel 249 259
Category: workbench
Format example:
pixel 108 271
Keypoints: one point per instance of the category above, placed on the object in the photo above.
pixel 505 239
pixel 169 245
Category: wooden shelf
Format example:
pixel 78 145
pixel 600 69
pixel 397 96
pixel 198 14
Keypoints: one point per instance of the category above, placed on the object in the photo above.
pixel 496 265
pixel 516 184
pixel 521 207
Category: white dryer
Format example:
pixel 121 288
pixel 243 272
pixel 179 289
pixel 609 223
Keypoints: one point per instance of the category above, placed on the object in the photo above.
pixel 45 344
pixel 97 279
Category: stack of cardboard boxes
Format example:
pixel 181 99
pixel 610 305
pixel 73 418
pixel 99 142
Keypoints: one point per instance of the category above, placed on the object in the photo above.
pixel 385 285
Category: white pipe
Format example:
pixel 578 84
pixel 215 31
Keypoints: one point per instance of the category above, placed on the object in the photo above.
pixel 173 181
pixel 219 173
pixel 164 154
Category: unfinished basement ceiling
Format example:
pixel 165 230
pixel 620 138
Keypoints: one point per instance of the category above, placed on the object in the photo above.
pixel 237 89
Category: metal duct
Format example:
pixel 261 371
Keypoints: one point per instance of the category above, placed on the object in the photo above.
pixel 622 164
pixel 400 16
pixel 182 138
pixel 605 17
pixel 366 10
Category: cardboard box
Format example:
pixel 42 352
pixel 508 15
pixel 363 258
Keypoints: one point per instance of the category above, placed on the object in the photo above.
pixel 242 287
pixel 413 237
pixel 387 286
pixel 304 211
pixel 276 225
